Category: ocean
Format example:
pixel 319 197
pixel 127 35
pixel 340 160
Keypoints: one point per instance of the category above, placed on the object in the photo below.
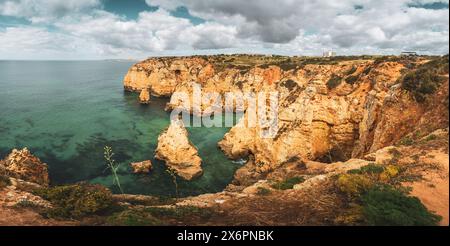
pixel 66 112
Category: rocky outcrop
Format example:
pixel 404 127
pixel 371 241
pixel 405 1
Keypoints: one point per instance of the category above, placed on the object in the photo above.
pixel 162 75
pixel 180 155
pixel 144 96
pixel 23 165
pixel 141 167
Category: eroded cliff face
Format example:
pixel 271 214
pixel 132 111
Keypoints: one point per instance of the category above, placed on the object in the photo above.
pixel 331 112
pixel 162 75
pixel 179 154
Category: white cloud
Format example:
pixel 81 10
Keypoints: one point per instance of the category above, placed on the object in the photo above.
pixel 38 43
pixel 152 32
pixel 39 11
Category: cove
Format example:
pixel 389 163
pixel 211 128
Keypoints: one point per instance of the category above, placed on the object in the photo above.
pixel 65 112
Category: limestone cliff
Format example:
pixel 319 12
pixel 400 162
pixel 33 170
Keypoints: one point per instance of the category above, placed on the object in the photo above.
pixel 162 75
pixel 329 111
pixel 179 154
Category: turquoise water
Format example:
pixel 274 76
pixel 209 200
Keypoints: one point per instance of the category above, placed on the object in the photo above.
pixel 65 112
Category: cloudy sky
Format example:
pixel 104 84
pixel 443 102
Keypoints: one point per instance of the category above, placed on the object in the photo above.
pixel 106 29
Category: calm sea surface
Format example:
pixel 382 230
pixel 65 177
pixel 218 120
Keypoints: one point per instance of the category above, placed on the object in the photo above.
pixel 65 112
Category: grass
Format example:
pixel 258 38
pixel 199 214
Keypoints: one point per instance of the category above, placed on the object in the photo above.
pixel 288 183
pixel 112 165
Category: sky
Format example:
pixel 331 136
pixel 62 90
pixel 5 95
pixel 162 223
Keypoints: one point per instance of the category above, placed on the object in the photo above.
pixel 136 29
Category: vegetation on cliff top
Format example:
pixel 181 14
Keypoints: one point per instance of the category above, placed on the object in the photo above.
pixel 426 79
pixel 245 62
pixel 377 198
pixel 76 201
pixel 386 205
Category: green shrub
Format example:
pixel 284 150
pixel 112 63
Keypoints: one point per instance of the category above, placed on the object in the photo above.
pixel 431 137
pixel 351 79
pixel 395 153
pixel 406 140
pixel 367 70
pixel 25 204
pixel 132 217
pixel 334 82
pixel 389 173
pixel 263 191
pixel 289 84
pixel 426 79
pixel 75 201
pixel 377 173
pixel 372 168
pixel 288 183
pixel 4 181
pixel 351 70
pixel 286 66
pixel 384 205
pixel 353 184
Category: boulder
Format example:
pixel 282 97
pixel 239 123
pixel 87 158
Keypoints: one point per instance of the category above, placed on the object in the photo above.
pixel 141 167
pixel 23 165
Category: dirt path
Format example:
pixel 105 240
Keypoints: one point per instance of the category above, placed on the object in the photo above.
pixel 433 190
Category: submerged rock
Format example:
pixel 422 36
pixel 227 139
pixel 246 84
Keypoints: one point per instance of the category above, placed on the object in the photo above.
pixel 179 154
pixel 141 167
pixel 144 97
pixel 23 165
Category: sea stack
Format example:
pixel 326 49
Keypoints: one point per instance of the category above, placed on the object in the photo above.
pixel 179 154
pixel 144 97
